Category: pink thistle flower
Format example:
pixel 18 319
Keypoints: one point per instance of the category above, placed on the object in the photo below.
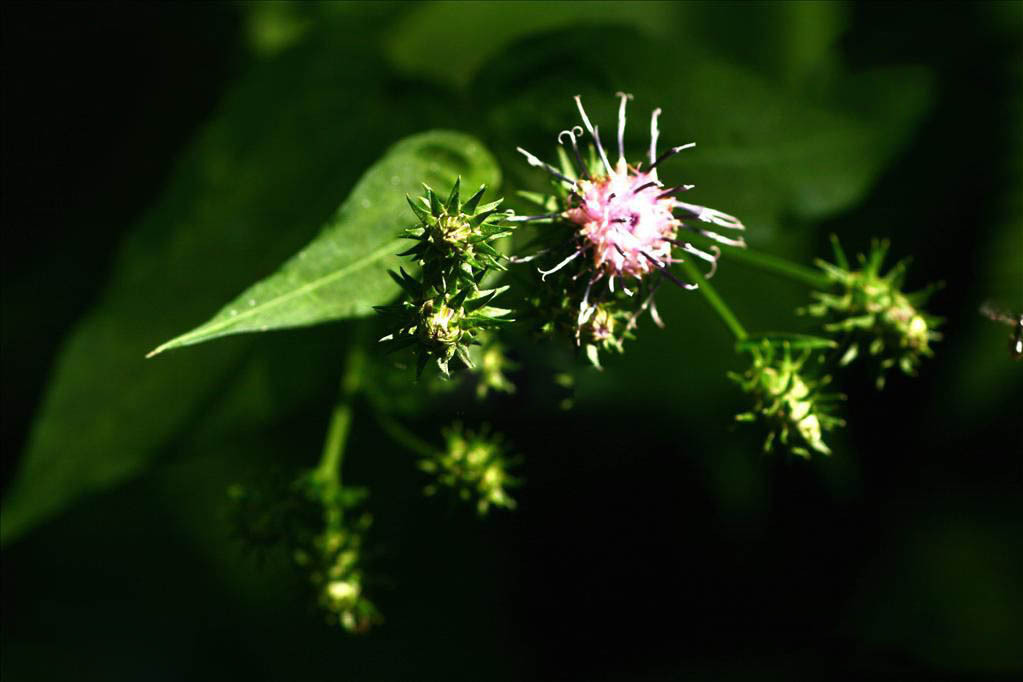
pixel 626 222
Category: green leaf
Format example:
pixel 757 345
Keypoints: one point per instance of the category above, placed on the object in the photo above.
pixel 286 143
pixel 343 272
pixel 449 41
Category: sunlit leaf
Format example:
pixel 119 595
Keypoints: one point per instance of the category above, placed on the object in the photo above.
pixel 285 147
pixel 343 272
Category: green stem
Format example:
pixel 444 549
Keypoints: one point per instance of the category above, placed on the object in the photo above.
pixel 764 261
pixel 404 437
pixel 715 301
pixel 329 468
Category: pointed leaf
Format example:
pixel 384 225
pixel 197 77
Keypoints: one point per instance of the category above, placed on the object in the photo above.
pixel 470 206
pixel 452 203
pixel 287 141
pixel 343 272
pixel 434 200
pixel 420 212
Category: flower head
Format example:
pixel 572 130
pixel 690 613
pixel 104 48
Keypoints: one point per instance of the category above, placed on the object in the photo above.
pixel 441 325
pixel 626 227
pixel 318 522
pixel 455 238
pixel 444 312
pixel 475 464
pixel 873 313
pixel 787 398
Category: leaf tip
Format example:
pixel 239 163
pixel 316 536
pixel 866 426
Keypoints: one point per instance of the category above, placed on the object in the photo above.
pixel 161 348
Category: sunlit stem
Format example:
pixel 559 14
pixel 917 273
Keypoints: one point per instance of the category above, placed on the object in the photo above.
pixel 768 263
pixel 715 301
pixel 329 468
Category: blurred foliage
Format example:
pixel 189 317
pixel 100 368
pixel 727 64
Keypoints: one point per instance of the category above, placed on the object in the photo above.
pixel 808 118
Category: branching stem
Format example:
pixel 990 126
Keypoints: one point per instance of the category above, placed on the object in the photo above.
pixel 767 262
pixel 329 468
pixel 715 301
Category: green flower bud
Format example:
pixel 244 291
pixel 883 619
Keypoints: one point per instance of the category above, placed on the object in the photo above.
pixel 313 520
pixel 443 312
pixel 474 465
pixel 787 399
pixel 455 239
pixel 871 312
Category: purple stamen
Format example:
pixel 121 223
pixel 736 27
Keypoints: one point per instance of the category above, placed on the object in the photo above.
pixel 575 148
pixel 739 243
pixel 675 190
pixel 710 215
pixel 544 273
pixel 670 153
pixel 593 132
pixel 527 218
pixel 600 150
pixel 537 163
pixel 648 185
pixel 654 134
pixel 663 269
pixel 525 259
pixel 621 125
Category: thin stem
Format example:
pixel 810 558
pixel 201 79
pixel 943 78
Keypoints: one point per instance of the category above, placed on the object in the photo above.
pixel 773 264
pixel 715 301
pixel 404 437
pixel 329 468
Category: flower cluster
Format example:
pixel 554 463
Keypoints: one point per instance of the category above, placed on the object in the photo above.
pixel 314 520
pixel 333 557
pixel 474 464
pixel 444 311
pixel 873 313
pixel 787 398
pixel 492 365
pixel 623 226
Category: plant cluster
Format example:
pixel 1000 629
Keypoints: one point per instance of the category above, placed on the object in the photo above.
pixel 787 396
pixel 322 527
pixel 444 312
pixel 475 465
pixel 616 232
pixel 607 237
pixel 870 311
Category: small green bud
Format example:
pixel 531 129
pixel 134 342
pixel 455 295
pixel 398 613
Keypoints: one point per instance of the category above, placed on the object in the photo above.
pixel 443 312
pixel 313 520
pixel 473 464
pixel 871 312
pixel 445 326
pixel 787 399
pixel 491 367
pixel 452 235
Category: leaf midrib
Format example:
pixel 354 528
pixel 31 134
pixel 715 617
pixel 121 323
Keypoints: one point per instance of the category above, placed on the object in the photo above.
pixel 215 327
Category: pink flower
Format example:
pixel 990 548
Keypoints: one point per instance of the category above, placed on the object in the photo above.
pixel 626 217
pixel 626 222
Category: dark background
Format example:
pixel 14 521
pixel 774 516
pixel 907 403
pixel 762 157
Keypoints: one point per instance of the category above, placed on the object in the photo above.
pixel 652 540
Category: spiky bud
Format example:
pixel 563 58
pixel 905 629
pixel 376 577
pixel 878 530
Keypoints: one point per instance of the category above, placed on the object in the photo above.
pixel 474 465
pixel 318 522
pixel 443 312
pixel 442 325
pixel 788 398
pixel 455 239
pixel 872 314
